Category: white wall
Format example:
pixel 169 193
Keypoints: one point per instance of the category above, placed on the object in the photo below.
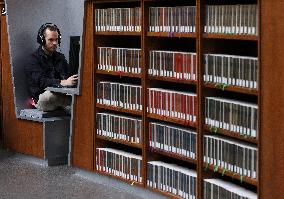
pixel 24 18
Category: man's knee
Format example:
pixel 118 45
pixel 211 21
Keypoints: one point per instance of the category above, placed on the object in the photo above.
pixel 47 96
pixel 46 101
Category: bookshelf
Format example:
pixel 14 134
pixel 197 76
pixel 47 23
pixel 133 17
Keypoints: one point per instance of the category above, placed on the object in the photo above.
pixel 253 123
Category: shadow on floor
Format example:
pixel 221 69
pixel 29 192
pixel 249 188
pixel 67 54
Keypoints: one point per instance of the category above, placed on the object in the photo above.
pixel 23 176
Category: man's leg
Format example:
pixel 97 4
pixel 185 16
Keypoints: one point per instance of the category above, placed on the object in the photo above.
pixel 49 101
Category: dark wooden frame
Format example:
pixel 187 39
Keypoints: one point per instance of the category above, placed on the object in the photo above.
pixel 269 96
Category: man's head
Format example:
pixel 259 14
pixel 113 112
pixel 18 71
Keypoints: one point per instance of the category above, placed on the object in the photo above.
pixel 49 37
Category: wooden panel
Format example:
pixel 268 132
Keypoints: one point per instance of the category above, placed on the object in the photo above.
pixel 1 113
pixel 230 134
pixel 119 33
pixel 272 100
pixel 236 89
pixel 20 136
pixel 230 36
pixel 120 141
pixel 82 155
pixel 171 34
pixel 118 109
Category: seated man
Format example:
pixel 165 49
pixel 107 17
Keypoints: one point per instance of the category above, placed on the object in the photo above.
pixel 48 68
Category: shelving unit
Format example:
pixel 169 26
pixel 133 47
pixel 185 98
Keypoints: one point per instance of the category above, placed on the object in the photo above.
pixel 201 43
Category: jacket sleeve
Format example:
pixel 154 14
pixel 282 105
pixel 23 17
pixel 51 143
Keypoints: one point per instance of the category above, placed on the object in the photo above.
pixel 36 75
pixel 66 68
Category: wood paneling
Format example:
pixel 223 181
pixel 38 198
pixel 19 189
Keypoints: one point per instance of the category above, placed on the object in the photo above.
pixel 271 100
pixel 1 113
pixel 82 155
pixel 19 135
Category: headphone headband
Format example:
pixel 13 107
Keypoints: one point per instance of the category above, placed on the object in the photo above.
pixel 41 37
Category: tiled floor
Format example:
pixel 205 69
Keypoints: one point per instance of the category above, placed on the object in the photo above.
pixel 23 176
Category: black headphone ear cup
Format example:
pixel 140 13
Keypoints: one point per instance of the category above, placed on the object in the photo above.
pixel 42 39
pixel 59 36
pixel 40 36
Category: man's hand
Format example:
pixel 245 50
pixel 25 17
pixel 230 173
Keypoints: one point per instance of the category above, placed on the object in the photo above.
pixel 71 81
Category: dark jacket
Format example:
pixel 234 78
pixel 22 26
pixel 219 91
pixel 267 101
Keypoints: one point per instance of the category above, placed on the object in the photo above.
pixel 44 71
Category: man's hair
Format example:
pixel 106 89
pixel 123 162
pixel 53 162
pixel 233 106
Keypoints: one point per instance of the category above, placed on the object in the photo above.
pixel 51 28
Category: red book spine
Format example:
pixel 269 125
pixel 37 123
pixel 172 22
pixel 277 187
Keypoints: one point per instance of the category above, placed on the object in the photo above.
pixel 195 107
pixel 194 65
pixel 159 102
pixel 173 104
pixel 189 67
pixel 179 63
pixel 178 103
pixel 169 104
pixel 183 66
pixel 164 103
pixel 183 106
pixel 152 100
pixel 186 107
pixel 156 101
pixel 190 108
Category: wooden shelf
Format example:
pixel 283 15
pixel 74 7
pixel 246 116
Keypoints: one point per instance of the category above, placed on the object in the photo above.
pixel 237 89
pixel 132 144
pixel 117 33
pixel 232 134
pixel 233 175
pixel 172 120
pixel 118 109
pixel 174 80
pixel 172 155
pixel 115 73
pixel 132 182
pixel 165 193
pixel 171 34
pixel 230 36
pixel 114 1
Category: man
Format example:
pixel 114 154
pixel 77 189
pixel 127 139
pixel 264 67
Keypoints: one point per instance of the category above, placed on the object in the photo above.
pixel 48 68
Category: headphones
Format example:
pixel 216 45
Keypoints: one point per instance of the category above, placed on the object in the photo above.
pixel 40 34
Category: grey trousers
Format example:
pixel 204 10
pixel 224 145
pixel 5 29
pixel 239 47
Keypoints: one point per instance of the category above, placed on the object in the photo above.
pixel 50 101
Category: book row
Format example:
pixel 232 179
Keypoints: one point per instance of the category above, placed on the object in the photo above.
pixel 173 139
pixel 231 70
pixel 127 96
pixel 170 103
pixel 231 155
pixel 172 19
pixel 232 19
pixel 172 178
pixel 119 127
pixel 118 19
pixel 125 60
pixel 218 68
pixel 164 102
pixel 119 163
pixel 232 115
pixel 178 65
pixel 217 189
pixel 224 19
